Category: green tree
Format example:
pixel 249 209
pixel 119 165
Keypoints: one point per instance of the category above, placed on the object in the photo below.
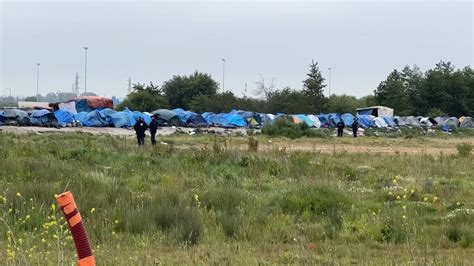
pixel 342 104
pixel 313 88
pixel 391 93
pixel 180 91
pixel 30 99
pixel 144 98
pixel 288 101
pixel 221 102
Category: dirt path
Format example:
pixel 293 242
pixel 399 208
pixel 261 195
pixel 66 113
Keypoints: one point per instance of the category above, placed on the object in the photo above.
pixel 431 146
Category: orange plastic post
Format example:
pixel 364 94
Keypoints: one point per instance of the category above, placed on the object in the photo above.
pixel 81 240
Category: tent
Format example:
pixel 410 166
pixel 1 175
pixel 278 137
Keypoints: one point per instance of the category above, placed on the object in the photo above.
pixel 451 122
pixel 366 121
pixel 167 116
pixel 380 122
pixel 196 120
pixel 80 117
pixel 306 120
pixel 68 106
pixel 315 120
pixel 64 117
pixel 466 122
pixel 324 120
pixel 334 119
pixel 348 119
pixel 121 119
pixel 16 117
pixel 89 103
pixel 265 118
pixel 390 121
pixel 377 111
pixel 107 113
pixel 43 118
pixel 224 119
pixel 441 119
pixel 410 121
pixel 95 119
pixel 182 115
pixel 296 119
pixel 427 122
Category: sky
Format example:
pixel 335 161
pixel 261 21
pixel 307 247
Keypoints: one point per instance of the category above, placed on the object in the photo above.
pixel 361 41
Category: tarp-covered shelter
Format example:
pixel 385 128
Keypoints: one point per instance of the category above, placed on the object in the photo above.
pixel 451 122
pixel 366 121
pixel 64 117
pixel 466 122
pixel 410 121
pixel 441 119
pixel 306 120
pixel 377 111
pixel 43 118
pixel 428 122
pixel 90 103
pixel 315 120
pixel 324 120
pixel 68 106
pixel 167 116
pixel 380 122
pixel 224 119
pixel 95 119
pixel 15 117
pixel 121 119
pixel 390 121
pixel 348 119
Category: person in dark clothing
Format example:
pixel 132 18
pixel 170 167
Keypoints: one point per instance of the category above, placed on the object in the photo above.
pixel 355 127
pixel 154 128
pixel 340 128
pixel 140 128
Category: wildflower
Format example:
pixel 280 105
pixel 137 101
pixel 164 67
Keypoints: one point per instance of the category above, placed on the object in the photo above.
pixel 116 221
pixel 92 210
pixel 373 213
pixel 425 199
pixel 390 193
pixel 31 199
pixel 10 210
pixel 27 217
pixel 412 191
pixel 404 196
pixel 404 207
pixel 56 196
pixel 5 200
pixel 404 217
pixel 435 199
pixel 405 190
pixel 394 181
pixel 113 232
pixel 18 194
pixel 457 203
pixel 55 236
pixel 53 207
pixel 398 198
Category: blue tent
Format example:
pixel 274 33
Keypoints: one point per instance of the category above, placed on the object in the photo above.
pixel 324 119
pixel 64 117
pixel 42 117
pixel 390 121
pixel 95 119
pixel 107 113
pixel 80 117
pixel 121 119
pixel 365 121
pixel 224 119
pixel 183 115
pixel 264 118
pixel 306 120
pixel 196 120
pixel 348 119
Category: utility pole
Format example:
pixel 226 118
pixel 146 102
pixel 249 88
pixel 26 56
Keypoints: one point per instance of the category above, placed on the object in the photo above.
pixel 329 82
pixel 76 85
pixel 223 74
pixel 129 85
pixel 37 81
pixel 85 70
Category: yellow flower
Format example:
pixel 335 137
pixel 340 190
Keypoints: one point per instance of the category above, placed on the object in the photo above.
pixel 18 194
pixel 457 203
pixel 404 217
pixel 56 196
pixel 92 210
pixel 10 210
pixel 398 198
pixel 390 193
pixel 53 207
pixel 412 191
pixel 116 221
pixel 405 190
pixel 394 181
pixel 27 217
pixel 113 232
pixel 435 199
pixel 404 196
pixel 425 199
pixel 404 207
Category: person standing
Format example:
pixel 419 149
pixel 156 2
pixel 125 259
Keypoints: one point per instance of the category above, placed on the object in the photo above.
pixel 355 127
pixel 140 128
pixel 154 128
pixel 340 128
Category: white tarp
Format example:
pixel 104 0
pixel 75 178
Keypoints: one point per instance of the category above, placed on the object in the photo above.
pixel 69 106
pixel 315 120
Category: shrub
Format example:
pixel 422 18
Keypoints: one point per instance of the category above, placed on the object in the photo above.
pixel 464 149
pixel 285 127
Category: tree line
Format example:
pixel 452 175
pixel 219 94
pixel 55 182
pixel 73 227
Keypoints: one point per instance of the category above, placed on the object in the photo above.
pixel 442 90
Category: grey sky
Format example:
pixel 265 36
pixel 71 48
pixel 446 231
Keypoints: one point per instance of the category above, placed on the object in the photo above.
pixel 361 41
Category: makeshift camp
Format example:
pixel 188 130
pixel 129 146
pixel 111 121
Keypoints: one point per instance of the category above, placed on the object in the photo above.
pixel 167 117
pixel 64 117
pixel 15 117
pixel 121 119
pixel 190 119
pixel 306 120
pixel 466 122
pixel 33 105
pixel 348 119
pixel 80 117
pixel 68 106
pixel 427 122
pixel 107 113
pixel 410 121
pixel 315 120
pixel 377 111
pixel 265 118
pixel 43 118
pixel 324 120
pixel 441 119
pixel 224 120
pixel 95 119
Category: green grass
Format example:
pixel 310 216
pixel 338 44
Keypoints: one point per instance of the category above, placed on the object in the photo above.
pixel 209 200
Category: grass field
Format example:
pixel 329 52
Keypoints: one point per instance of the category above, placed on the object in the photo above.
pixel 207 200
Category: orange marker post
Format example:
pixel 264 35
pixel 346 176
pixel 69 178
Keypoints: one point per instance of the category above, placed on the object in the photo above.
pixel 81 240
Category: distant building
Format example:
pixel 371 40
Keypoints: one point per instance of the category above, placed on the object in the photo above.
pixel 377 111
pixel 33 105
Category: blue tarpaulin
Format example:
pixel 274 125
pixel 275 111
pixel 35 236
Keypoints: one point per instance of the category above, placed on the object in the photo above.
pixel 348 119
pixel 225 119
pixel 95 119
pixel 64 117
pixel 390 121
pixel 365 121
pixel 306 120
pixel 324 119
pixel 121 119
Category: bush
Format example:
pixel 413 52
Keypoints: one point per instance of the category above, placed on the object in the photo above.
pixel 464 149
pixel 284 127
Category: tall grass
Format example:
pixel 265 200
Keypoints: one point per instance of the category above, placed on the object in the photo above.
pixel 177 204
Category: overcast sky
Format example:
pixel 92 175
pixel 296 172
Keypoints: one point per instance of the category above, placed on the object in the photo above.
pixel 151 41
